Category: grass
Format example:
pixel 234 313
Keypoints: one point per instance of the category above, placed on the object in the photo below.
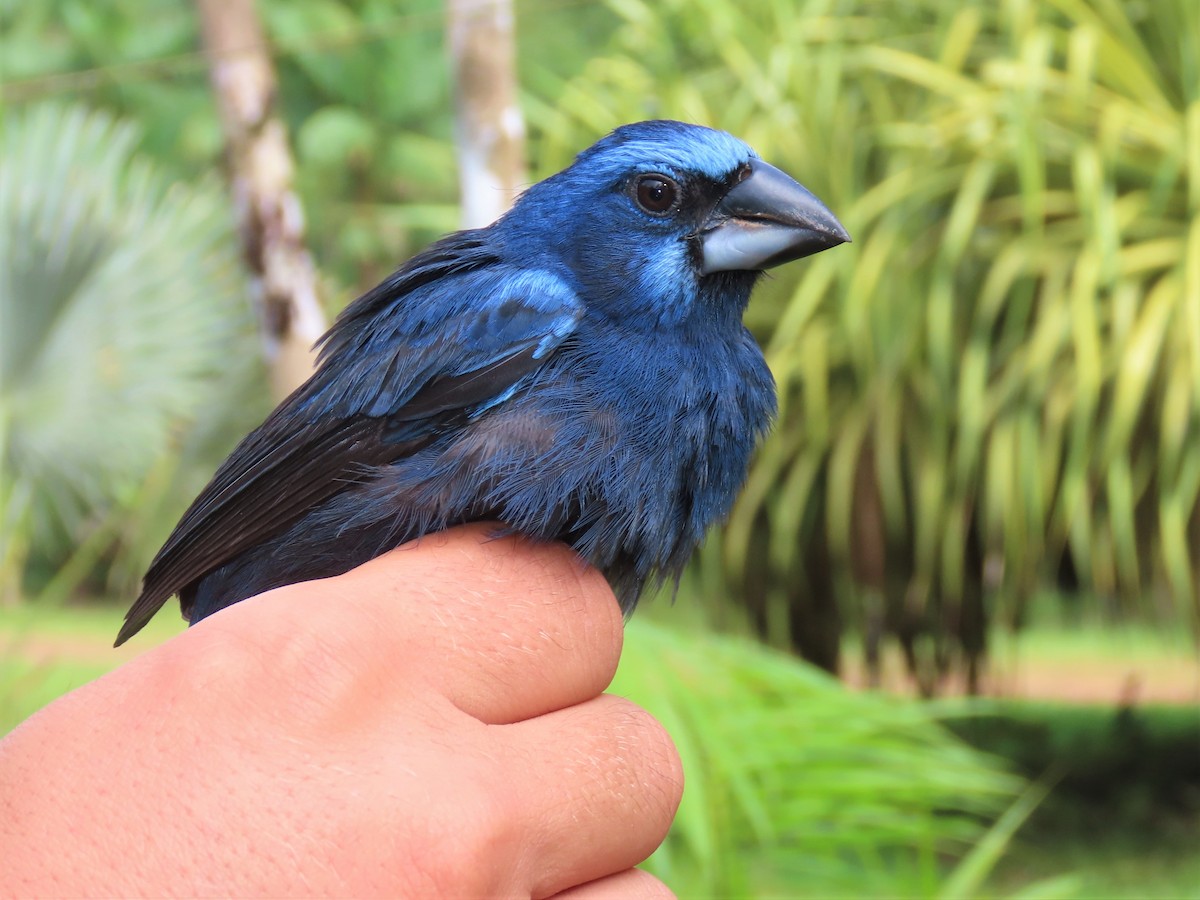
pixel 1155 862
pixel 95 623
pixel 1124 815
pixel 1083 658
pixel 1086 661
pixel 47 651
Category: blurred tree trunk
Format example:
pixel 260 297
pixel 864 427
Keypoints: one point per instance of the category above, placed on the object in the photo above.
pixel 270 217
pixel 490 128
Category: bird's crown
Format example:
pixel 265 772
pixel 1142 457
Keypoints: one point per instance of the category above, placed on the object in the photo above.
pixel 673 147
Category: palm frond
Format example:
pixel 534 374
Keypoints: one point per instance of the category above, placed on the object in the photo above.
pixel 121 303
pixel 798 780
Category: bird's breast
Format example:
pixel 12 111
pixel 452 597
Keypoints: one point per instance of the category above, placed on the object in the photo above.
pixel 657 432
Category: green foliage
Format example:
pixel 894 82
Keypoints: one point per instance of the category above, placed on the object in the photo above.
pixel 1143 756
pixel 363 85
pixel 26 687
pixel 131 58
pixel 368 96
pixel 1125 807
pixel 793 780
pixel 1113 859
pixel 121 314
pixel 998 383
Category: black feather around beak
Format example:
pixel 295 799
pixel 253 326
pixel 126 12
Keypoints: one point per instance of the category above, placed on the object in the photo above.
pixel 764 220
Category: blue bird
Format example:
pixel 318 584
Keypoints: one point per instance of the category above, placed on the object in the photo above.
pixel 577 371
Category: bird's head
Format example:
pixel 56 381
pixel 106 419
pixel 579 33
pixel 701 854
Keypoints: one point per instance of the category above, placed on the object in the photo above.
pixel 673 218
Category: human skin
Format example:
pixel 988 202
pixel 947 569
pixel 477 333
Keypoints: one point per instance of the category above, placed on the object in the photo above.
pixel 429 724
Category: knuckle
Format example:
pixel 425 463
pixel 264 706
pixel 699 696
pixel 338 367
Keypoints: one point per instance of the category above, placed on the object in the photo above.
pixel 651 757
pixel 467 844
pixel 303 668
pixel 216 658
pixel 583 598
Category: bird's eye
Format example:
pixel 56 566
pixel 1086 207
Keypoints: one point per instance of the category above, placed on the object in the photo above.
pixel 656 194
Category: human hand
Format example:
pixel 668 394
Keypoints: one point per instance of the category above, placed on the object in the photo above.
pixel 429 724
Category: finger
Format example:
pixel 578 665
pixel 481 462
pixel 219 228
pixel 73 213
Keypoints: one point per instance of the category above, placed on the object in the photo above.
pixel 602 784
pixel 632 884
pixel 507 629
pixel 512 628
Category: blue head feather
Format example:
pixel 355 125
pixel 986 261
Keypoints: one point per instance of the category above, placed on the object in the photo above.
pixel 627 262
pixel 662 145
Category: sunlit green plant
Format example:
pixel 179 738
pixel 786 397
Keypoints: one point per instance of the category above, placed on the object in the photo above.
pixel 122 315
pixel 998 383
pixel 363 87
pixel 796 783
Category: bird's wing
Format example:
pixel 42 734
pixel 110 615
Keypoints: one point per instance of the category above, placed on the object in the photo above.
pixel 402 364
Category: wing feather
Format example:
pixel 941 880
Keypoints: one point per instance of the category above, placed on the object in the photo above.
pixel 448 336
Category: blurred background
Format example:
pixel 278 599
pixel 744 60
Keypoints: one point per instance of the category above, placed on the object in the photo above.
pixel 946 645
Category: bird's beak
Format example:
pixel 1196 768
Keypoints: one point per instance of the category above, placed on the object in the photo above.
pixel 766 219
